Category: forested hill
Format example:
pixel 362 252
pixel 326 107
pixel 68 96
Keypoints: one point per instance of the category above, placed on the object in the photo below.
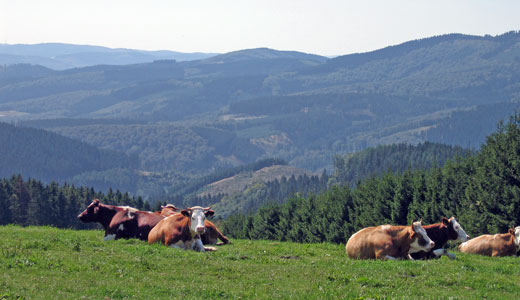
pixel 246 192
pixel 482 191
pixel 47 156
pixel 396 158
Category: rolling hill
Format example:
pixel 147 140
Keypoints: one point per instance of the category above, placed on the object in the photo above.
pixel 193 117
pixel 59 56
pixel 48 156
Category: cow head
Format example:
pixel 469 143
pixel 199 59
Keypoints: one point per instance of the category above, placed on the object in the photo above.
pixel 197 216
pixel 421 241
pixel 91 213
pixel 168 209
pixel 455 231
pixel 516 233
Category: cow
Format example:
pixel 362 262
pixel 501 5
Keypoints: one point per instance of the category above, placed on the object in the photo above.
pixel 440 233
pixel 168 210
pixel 182 230
pixel 388 242
pixel 504 244
pixel 212 234
pixel 120 221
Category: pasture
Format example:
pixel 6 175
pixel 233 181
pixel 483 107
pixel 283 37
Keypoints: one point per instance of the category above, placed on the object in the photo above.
pixel 50 263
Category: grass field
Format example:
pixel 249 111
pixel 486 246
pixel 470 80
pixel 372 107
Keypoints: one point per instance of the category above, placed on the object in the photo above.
pixel 50 263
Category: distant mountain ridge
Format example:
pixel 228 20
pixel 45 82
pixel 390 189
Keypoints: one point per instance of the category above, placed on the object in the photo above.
pixel 60 56
pixel 195 117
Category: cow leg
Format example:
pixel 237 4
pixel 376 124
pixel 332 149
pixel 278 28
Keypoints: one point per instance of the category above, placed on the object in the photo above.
pixel 109 237
pixel 409 256
pixel 439 252
pixel 179 245
pixel 450 255
pixel 222 237
pixel 197 245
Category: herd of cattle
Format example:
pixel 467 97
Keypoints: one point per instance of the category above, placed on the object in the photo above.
pixel 189 229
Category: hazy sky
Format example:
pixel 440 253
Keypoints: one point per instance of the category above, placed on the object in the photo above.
pixel 326 27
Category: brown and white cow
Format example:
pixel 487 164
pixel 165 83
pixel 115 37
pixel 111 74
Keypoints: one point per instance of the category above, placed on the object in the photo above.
pixel 168 210
pixel 504 244
pixel 388 242
pixel 212 234
pixel 440 234
pixel 120 221
pixel 182 230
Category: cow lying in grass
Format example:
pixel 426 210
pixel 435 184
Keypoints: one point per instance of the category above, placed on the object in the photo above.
pixel 182 230
pixel 505 244
pixel 388 242
pixel 120 221
pixel 440 234
pixel 211 235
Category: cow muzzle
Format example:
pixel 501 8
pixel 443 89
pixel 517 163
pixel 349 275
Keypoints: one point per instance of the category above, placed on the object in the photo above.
pixel 201 229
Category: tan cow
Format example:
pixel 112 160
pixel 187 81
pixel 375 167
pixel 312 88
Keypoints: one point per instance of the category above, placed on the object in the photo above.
pixel 504 244
pixel 182 230
pixel 388 242
pixel 212 234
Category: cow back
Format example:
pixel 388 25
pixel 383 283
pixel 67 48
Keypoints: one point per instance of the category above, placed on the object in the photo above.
pixel 490 245
pixel 170 229
pixel 369 242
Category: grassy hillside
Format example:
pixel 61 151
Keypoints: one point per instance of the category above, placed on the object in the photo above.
pixel 241 181
pixel 48 263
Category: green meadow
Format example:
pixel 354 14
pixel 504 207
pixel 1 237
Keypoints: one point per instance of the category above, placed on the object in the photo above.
pixel 50 263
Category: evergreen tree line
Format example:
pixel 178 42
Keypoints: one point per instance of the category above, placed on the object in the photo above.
pixel 481 190
pixel 32 202
pixel 351 168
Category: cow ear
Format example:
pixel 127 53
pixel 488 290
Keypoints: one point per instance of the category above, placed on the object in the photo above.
pixel 185 212
pixel 412 235
pixel 209 212
pixel 512 231
pixel 95 201
pixel 445 221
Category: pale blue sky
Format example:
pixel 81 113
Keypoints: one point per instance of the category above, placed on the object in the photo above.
pixel 326 27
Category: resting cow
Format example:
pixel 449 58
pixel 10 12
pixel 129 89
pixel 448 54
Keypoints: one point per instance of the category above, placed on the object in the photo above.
pixel 168 210
pixel 440 233
pixel 505 244
pixel 388 242
pixel 182 230
pixel 120 221
pixel 212 234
